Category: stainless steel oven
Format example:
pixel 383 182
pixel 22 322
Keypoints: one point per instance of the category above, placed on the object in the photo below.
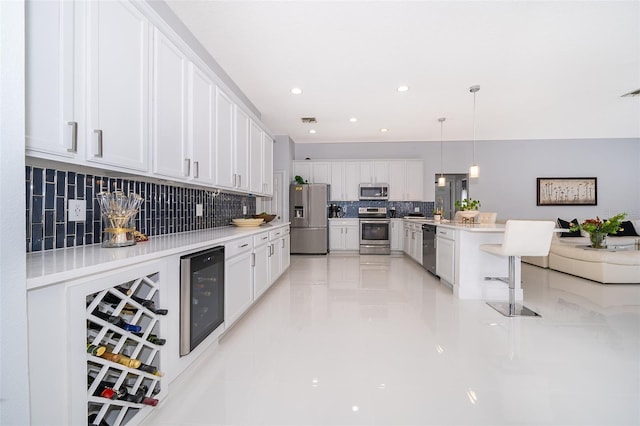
pixel 374 230
pixel 201 296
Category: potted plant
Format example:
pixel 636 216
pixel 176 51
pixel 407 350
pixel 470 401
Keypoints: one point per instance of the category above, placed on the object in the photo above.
pixel 437 214
pixel 598 229
pixel 468 207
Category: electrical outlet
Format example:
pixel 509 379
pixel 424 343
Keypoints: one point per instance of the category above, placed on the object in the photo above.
pixel 244 210
pixel 198 210
pixel 416 209
pixel 77 211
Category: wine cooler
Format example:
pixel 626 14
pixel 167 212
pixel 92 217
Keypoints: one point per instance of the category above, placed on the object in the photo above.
pixel 124 340
pixel 201 296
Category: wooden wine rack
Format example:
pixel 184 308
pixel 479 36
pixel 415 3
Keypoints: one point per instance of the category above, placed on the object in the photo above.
pixel 101 333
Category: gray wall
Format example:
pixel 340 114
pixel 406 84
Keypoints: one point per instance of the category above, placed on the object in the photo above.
pixel 508 170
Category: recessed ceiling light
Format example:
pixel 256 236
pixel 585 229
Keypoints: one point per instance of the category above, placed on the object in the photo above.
pixel 353 119
pixel 403 88
pixel 312 131
pixel 296 91
pixel 383 130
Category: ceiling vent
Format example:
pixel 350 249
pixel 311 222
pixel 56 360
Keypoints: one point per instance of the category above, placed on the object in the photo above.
pixel 309 120
pixel 634 93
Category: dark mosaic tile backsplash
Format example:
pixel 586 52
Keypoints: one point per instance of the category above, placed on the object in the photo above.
pixel 403 208
pixel 166 209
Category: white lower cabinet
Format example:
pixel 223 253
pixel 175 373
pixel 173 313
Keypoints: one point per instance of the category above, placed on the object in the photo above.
pixel 412 241
pixel 445 255
pixel 261 264
pixel 286 250
pixel 344 235
pixel 397 234
pixel 238 288
pixel 275 259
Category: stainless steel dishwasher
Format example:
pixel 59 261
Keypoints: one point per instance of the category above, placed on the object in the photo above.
pixel 429 248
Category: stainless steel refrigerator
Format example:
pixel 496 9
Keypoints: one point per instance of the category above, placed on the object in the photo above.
pixel 308 215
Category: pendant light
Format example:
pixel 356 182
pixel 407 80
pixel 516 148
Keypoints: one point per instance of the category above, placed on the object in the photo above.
pixel 474 170
pixel 441 180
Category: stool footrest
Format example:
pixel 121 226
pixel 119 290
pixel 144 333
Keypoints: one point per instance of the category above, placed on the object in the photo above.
pixel 513 310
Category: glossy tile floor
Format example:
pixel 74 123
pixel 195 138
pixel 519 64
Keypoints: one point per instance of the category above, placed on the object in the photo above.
pixel 375 340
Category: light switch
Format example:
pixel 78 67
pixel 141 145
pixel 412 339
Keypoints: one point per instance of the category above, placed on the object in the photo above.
pixel 77 211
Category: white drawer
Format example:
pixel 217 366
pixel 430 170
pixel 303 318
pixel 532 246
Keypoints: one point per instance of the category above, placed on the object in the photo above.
pixel 260 239
pixel 275 234
pixel 449 234
pixel 235 247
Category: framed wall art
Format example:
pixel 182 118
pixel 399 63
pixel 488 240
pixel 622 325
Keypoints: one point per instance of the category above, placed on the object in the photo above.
pixel 579 191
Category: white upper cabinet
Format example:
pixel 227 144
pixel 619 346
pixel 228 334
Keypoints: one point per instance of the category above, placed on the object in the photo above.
pixel 171 156
pixel 255 154
pixel 52 118
pixel 267 165
pixel 374 171
pixel 111 86
pixel 224 124
pixel 200 124
pixel 406 180
pixel 321 172
pixel 397 180
pixel 118 85
pixel 313 171
pixel 415 180
pixel 241 169
pixel 345 178
pixel 303 169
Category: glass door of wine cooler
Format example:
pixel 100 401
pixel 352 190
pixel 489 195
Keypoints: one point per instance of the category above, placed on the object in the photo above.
pixel 201 296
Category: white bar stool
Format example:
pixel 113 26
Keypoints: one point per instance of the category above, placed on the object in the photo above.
pixel 521 238
pixel 486 217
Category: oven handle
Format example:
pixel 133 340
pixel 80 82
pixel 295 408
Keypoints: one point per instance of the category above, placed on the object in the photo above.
pixel 376 221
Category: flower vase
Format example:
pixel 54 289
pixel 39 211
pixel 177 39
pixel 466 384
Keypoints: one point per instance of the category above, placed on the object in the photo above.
pixel 598 240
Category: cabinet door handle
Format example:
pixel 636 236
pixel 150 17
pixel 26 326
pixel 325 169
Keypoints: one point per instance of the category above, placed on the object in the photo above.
pixel 74 137
pixel 253 259
pixel 196 169
pixel 264 238
pixel 282 243
pixel 244 245
pixel 99 133
pixel 239 181
pixel 187 167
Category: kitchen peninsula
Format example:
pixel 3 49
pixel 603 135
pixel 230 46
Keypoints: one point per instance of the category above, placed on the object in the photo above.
pixel 463 266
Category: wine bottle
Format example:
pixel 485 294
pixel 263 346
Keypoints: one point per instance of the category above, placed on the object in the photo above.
pixel 95 350
pixel 151 369
pixel 108 390
pixel 129 362
pixel 117 321
pixel 111 356
pixel 152 338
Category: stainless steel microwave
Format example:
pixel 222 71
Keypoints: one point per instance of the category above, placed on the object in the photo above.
pixel 373 191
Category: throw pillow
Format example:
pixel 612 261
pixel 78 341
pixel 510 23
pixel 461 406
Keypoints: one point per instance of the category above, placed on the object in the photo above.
pixel 567 225
pixel 627 230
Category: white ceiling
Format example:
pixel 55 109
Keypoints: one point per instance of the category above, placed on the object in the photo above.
pixel 547 69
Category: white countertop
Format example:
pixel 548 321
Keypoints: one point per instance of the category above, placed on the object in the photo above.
pixel 469 227
pixel 54 266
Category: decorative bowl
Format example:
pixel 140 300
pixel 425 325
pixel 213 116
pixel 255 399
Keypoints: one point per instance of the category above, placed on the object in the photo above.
pixel 267 217
pixel 247 222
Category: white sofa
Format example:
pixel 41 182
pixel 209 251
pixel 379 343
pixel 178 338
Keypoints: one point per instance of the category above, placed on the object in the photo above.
pixel 569 255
